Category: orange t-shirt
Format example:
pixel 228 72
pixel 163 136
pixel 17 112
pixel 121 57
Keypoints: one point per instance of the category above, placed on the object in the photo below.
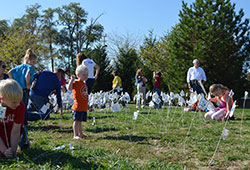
pixel 80 96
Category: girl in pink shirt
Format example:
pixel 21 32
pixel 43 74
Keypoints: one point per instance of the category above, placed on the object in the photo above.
pixel 223 100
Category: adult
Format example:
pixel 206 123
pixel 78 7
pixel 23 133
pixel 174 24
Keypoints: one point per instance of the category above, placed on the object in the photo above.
pixel 91 65
pixel 117 85
pixel 196 74
pixel 44 83
pixel 157 86
pixel 141 88
pixel 3 75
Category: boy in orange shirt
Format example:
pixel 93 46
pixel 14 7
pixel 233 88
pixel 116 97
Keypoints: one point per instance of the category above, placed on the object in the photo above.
pixel 80 96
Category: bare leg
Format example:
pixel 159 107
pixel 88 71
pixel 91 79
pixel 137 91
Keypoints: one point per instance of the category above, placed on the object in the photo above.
pixel 209 114
pixel 218 115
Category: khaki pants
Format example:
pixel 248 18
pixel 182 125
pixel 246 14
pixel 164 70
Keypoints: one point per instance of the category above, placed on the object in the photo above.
pixel 142 93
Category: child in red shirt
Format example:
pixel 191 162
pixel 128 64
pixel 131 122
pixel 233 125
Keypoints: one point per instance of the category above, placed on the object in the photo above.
pixel 80 96
pixel 12 119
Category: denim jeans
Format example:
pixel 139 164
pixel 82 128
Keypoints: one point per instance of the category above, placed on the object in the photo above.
pixel 34 108
pixel 25 101
pixel 158 91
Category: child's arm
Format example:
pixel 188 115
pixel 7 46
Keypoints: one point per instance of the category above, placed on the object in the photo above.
pixel 10 75
pixel 213 99
pixel 70 86
pixel 229 105
pixel 15 137
pixel 28 81
pixel 3 148
pixel 97 70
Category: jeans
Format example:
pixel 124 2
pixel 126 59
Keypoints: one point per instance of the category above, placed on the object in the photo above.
pixel 158 91
pixel 25 101
pixel 35 106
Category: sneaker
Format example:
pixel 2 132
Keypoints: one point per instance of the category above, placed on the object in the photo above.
pixel 77 137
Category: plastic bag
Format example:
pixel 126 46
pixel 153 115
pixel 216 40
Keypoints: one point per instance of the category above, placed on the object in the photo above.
pixel 225 133
pixel 2 111
pixel 136 115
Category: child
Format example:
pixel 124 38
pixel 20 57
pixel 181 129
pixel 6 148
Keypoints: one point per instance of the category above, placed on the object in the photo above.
pixel 141 88
pixel 80 96
pixel 24 74
pixel 117 85
pixel 67 98
pixel 10 126
pixel 157 86
pixel 225 102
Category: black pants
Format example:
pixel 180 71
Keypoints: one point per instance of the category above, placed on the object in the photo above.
pixel 90 83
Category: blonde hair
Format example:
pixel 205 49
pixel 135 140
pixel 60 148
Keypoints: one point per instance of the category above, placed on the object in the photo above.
pixel 213 88
pixel 10 89
pixel 81 69
pixel 79 58
pixel 29 56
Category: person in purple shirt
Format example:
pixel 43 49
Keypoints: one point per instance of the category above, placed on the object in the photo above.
pixel 44 83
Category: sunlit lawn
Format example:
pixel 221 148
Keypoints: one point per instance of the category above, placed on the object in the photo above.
pixel 159 139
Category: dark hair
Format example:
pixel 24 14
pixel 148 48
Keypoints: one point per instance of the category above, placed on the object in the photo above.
pixel 79 58
pixel 158 73
pixel 115 72
pixel 59 70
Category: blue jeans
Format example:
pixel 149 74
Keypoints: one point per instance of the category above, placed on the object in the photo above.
pixel 25 101
pixel 34 108
pixel 158 91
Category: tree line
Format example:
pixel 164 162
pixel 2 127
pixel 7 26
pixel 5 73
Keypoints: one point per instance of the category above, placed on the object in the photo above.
pixel 210 30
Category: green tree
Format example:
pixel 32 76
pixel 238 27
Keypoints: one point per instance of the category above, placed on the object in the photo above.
pixel 126 64
pixel 154 56
pixel 50 34
pixel 104 80
pixel 4 27
pixel 211 31
pixel 76 35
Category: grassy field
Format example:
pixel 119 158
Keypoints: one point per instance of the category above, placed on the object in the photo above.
pixel 159 139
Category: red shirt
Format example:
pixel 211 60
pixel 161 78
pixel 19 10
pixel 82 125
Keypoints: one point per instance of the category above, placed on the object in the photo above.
pixel 157 82
pixel 11 117
pixel 80 96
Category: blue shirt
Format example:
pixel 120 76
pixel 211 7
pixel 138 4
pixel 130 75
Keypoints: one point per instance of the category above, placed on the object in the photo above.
pixel 20 72
pixel 47 82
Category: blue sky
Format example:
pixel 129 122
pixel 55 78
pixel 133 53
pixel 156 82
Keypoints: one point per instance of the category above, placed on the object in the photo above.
pixel 120 16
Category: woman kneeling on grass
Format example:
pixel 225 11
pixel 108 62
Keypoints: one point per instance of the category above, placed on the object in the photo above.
pixel 225 102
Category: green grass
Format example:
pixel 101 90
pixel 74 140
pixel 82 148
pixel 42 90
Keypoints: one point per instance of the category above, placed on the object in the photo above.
pixel 158 139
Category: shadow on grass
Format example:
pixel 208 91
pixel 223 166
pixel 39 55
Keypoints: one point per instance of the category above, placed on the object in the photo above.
pixel 100 117
pixel 51 128
pixel 100 130
pixel 38 158
pixel 239 119
pixel 131 138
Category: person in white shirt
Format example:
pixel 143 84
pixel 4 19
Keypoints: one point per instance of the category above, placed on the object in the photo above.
pixel 91 65
pixel 194 75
